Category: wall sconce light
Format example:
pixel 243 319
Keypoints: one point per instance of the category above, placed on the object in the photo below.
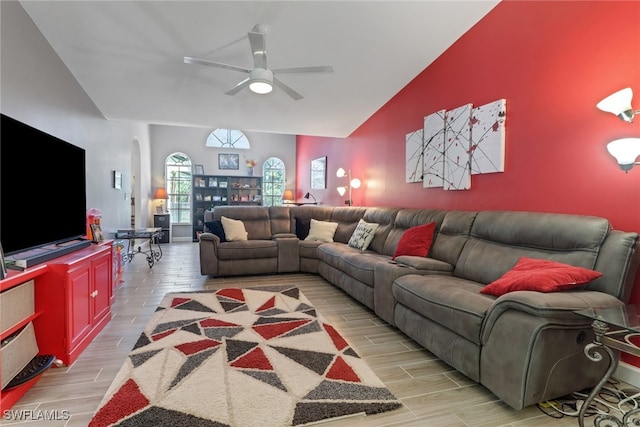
pixel 287 197
pixel 161 193
pixel 619 103
pixel 353 183
pixel 306 196
pixel 626 151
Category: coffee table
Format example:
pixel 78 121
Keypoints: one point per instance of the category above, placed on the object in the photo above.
pixel 614 328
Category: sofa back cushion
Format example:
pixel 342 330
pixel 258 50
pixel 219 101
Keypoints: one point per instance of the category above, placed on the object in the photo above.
pixel 347 219
pixel 499 238
pixel 300 218
pixel 280 219
pixel 385 218
pixel 255 219
pixel 452 235
pixel 408 218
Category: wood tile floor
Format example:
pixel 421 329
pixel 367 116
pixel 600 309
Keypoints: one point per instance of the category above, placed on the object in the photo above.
pixel 433 394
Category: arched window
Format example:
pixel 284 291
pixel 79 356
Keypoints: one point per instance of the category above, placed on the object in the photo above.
pixel 273 181
pixel 227 138
pixel 178 182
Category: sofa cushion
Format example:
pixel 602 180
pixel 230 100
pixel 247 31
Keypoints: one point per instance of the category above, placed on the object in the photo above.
pixel 322 231
pixel 530 274
pixel 233 229
pixel 361 265
pixel 450 301
pixel 247 249
pixel 216 228
pixel 330 253
pixel 302 227
pixel 309 248
pixel 416 241
pixel 362 235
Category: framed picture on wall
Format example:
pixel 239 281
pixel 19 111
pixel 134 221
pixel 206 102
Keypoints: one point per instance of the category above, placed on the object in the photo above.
pixel 229 161
pixel 319 173
pixel 198 170
pixel 117 180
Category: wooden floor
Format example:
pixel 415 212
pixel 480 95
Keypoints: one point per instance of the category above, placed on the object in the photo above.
pixel 433 394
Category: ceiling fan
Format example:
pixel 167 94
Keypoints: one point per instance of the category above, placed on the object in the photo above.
pixel 261 79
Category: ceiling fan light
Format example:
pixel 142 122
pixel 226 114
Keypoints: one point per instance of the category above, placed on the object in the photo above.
pixel 261 81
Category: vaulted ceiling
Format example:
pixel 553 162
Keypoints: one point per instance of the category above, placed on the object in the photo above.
pixel 129 57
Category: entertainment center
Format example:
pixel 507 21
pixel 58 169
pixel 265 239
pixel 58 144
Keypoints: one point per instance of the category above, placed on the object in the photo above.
pixel 57 294
pixel 72 298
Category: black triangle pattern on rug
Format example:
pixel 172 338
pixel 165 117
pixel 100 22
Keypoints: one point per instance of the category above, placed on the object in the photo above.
pixel 139 358
pixel 331 381
pixel 156 416
pixel 270 378
pixel 191 364
pixel 313 360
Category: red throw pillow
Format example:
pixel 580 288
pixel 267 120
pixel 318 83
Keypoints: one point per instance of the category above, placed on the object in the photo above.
pixel 540 275
pixel 416 241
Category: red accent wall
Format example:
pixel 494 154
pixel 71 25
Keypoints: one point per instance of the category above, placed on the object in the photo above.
pixel 552 62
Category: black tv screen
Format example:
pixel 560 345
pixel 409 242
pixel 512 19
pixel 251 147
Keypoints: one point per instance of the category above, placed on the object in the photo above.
pixel 42 188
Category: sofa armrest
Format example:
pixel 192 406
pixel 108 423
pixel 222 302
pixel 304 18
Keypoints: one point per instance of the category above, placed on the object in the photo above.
pixel 284 236
pixel 288 253
pixel 556 307
pixel 208 246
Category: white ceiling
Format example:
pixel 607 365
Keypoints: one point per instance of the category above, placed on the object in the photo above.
pixel 128 57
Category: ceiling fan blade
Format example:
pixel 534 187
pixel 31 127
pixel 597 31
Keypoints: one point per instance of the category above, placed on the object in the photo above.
pixel 292 93
pixel 189 60
pixel 258 49
pixel 237 88
pixel 312 69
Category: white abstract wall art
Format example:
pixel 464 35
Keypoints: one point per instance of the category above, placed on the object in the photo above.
pixel 457 171
pixel 414 161
pixel 434 149
pixel 488 137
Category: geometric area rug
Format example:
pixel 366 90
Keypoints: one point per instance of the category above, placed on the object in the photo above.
pixel 240 357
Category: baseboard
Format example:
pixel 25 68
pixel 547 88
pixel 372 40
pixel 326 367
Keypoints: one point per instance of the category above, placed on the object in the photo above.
pixel 628 373
pixel 182 239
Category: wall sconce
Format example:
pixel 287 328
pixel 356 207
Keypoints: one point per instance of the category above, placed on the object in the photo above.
pixel 306 196
pixel 619 103
pixel 353 183
pixel 626 151
pixel 161 193
pixel 287 197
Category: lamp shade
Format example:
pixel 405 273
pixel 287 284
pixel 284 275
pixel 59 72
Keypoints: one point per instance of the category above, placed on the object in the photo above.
pixel 342 190
pixel 161 193
pixel 356 183
pixel 341 172
pixel 618 103
pixel 288 195
pixel 625 150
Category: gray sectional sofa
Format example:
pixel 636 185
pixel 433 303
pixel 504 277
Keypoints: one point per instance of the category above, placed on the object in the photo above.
pixel 524 346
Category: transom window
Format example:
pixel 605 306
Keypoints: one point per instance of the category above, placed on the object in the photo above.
pixel 273 181
pixel 227 138
pixel 178 182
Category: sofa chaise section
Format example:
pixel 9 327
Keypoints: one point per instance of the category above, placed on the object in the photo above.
pixel 524 346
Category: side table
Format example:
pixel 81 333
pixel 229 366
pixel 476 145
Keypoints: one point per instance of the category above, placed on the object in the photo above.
pixel 152 234
pixel 613 327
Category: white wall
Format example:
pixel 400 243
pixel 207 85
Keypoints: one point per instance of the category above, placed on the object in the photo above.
pixel 38 89
pixel 191 141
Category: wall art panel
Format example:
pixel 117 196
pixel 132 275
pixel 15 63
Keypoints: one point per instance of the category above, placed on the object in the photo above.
pixel 414 162
pixel 434 150
pixel 487 137
pixel 457 172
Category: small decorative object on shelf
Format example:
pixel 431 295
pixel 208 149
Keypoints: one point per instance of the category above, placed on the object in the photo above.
pixel 251 164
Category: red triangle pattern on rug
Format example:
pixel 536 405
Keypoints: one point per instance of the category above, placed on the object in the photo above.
pixel 340 370
pixel 281 358
pixel 124 402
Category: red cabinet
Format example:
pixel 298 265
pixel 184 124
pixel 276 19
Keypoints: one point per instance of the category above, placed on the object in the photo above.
pixel 79 297
pixel 72 304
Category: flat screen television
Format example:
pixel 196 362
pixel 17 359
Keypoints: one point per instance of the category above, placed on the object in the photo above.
pixel 42 188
